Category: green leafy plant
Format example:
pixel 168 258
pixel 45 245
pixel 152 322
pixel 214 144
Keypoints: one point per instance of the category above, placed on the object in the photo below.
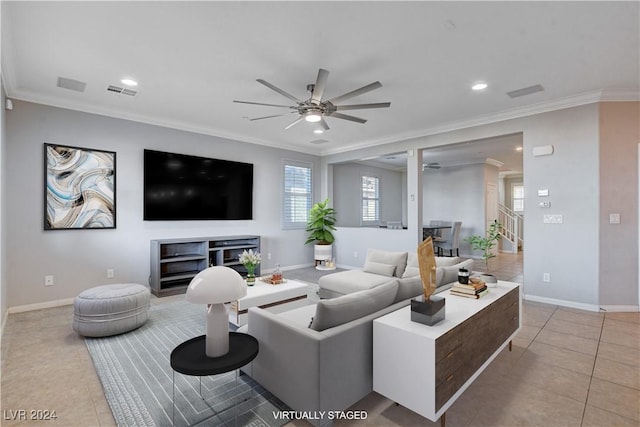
pixel 321 223
pixel 487 243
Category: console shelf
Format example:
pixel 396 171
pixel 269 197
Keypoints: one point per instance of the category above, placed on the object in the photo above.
pixel 174 262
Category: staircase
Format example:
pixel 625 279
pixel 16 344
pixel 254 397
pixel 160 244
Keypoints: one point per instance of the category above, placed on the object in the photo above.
pixel 512 228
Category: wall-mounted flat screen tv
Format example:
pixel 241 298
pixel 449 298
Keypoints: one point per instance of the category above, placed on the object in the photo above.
pixel 179 187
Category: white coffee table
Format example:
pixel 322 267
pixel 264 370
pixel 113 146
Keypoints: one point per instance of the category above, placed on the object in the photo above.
pixel 275 298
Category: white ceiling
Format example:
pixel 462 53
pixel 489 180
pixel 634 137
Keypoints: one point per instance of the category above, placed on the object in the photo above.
pixel 192 59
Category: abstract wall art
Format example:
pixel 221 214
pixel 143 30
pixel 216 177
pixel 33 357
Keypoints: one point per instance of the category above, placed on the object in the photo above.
pixel 80 188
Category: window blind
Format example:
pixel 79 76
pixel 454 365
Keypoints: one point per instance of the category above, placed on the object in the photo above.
pixel 296 194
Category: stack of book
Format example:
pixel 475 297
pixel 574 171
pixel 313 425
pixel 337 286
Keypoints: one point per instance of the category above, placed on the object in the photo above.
pixel 471 290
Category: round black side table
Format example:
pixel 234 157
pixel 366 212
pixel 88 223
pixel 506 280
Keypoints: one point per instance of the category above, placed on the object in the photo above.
pixel 189 358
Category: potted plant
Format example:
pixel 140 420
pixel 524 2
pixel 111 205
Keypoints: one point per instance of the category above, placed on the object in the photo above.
pixel 320 225
pixel 486 245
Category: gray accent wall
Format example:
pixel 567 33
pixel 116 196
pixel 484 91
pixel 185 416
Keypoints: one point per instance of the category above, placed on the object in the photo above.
pixel 619 139
pixel 3 183
pixel 79 259
pixel 347 191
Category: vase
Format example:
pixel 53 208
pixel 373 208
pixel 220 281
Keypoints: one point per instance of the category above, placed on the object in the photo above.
pixel 251 276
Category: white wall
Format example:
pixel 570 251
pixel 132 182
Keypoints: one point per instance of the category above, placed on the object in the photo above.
pixel 456 194
pixel 347 191
pixel 78 259
pixel 569 252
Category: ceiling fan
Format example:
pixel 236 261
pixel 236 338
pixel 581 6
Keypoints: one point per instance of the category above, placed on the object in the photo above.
pixel 315 109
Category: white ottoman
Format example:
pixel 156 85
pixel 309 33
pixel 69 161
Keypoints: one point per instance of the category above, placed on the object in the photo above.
pixel 110 309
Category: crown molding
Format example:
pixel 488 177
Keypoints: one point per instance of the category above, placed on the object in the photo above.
pixel 140 118
pixel 515 113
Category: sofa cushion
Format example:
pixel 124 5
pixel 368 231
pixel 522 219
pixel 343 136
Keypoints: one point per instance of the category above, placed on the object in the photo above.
pixel 408 288
pixel 450 273
pixel 379 268
pixel 346 282
pixel 446 261
pixel 399 259
pixel 336 311
pixel 413 268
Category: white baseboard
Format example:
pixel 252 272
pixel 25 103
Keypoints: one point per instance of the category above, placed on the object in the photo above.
pixel 40 305
pixel 620 308
pixel 562 303
pixel 290 267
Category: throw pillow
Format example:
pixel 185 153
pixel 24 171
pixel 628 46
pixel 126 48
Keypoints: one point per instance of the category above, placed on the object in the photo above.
pixel 337 311
pixel 399 259
pixel 379 268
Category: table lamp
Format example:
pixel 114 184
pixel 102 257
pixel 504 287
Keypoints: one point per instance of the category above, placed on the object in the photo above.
pixel 214 286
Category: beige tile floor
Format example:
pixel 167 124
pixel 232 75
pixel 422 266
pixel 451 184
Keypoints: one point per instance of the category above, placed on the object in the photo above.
pixel 567 368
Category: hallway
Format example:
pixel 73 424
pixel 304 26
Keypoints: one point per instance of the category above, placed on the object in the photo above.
pixel 505 266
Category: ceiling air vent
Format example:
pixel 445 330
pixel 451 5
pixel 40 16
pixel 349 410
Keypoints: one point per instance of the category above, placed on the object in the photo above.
pixel 121 90
pixel 71 84
pixel 525 91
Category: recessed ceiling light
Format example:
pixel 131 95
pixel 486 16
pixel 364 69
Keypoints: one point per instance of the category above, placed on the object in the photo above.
pixel 479 86
pixel 129 82
pixel 318 131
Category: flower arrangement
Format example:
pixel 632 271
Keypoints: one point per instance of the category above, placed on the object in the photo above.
pixel 250 260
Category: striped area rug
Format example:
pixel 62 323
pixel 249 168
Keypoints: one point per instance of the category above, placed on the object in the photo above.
pixel 137 378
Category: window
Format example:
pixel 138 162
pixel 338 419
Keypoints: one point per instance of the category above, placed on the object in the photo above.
pixel 297 194
pixel 370 199
pixel 517 194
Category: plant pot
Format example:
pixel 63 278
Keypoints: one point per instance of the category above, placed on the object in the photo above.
pixel 322 253
pixel 489 279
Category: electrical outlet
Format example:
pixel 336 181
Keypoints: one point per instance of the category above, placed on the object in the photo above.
pixel 269 255
pixel 355 254
pixel 110 273
pixel 48 280
pixel 546 277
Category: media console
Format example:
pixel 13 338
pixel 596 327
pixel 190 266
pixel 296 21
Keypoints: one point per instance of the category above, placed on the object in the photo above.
pixel 426 368
pixel 174 262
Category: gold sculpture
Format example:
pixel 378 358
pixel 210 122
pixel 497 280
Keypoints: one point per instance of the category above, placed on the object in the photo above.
pixel 427 264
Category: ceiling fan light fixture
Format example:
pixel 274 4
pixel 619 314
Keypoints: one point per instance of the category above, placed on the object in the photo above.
pixel 313 116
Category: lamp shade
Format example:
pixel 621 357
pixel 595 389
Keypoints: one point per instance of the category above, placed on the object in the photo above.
pixel 216 285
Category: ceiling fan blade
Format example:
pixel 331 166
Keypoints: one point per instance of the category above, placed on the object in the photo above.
pixel 324 124
pixel 268 117
pixel 261 103
pixel 347 117
pixel 280 91
pixel 363 89
pixel 298 120
pixel 363 106
pixel 318 88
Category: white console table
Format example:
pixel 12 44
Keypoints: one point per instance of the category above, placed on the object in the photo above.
pixel 426 368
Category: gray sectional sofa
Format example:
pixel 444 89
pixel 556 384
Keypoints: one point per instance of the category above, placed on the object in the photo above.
pixel 381 266
pixel 320 357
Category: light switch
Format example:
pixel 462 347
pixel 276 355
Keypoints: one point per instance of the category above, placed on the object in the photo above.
pixel 552 219
pixel 614 218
